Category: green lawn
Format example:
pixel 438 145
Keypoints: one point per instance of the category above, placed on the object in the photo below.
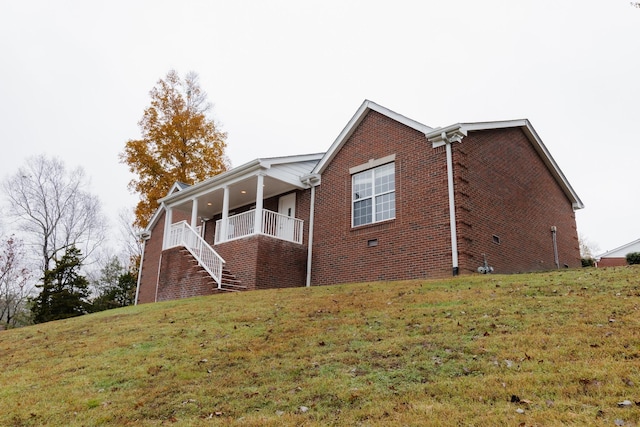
pixel 558 348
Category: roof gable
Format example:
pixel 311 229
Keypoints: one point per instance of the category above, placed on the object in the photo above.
pixel 352 125
pixel 178 186
pixel 452 133
pixel 458 131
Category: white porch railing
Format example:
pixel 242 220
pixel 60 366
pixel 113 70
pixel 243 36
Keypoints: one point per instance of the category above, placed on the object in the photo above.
pixel 182 234
pixel 273 224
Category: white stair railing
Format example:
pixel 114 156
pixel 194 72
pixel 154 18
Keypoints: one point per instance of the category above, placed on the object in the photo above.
pixel 182 234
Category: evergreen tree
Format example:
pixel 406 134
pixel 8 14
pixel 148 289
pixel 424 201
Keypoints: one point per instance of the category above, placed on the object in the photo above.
pixel 115 288
pixel 64 291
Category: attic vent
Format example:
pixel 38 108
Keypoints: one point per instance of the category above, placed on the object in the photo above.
pixel 496 239
pixel 371 243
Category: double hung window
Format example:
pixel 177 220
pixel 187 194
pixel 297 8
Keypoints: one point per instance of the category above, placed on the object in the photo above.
pixel 374 195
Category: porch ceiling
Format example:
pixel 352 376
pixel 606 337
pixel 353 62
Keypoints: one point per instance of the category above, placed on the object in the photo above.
pixel 241 193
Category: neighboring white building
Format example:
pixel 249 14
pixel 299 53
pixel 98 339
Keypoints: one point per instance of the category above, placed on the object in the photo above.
pixel 617 256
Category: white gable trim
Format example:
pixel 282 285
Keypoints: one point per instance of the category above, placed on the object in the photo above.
pixel 353 125
pixel 178 186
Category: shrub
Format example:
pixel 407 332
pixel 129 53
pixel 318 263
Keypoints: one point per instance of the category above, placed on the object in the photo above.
pixel 588 262
pixel 633 258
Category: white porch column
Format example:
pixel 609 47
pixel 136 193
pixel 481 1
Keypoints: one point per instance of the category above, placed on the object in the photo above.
pixel 168 220
pixel 257 228
pixel 225 214
pixel 194 214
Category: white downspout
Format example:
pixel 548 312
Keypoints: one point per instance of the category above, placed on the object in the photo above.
pixel 452 205
pixel 144 245
pixel 310 239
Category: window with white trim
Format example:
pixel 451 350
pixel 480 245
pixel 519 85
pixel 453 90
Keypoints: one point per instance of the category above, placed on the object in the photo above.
pixel 374 195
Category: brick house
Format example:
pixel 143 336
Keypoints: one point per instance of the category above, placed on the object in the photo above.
pixel 391 199
pixel 617 257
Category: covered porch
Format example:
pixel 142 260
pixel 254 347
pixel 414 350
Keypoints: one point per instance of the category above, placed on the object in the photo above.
pixel 260 198
pixel 233 203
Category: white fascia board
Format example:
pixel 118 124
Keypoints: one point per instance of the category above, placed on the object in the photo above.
pixel 352 125
pixel 502 124
pixel 399 117
pixel 154 219
pixel 268 162
pixel 460 130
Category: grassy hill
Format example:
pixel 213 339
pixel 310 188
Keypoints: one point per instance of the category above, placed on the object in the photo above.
pixel 559 348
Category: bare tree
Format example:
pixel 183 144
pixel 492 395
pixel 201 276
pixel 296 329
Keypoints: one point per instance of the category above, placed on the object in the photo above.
pixel 53 209
pixel 588 249
pixel 15 283
pixel 130 239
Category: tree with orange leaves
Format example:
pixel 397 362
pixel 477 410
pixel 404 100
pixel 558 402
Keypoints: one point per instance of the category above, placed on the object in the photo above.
pixel 180 143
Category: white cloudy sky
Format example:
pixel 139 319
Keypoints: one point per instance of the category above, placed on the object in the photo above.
pixel 286 76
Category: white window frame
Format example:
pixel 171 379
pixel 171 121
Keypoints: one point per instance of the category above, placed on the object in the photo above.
pixel 372 166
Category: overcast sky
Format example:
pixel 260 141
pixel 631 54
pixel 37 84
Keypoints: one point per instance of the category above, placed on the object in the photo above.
pixel 286 76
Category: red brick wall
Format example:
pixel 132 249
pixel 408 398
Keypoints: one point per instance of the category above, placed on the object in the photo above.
pixel 503 189
pixel 280 264
pixel 612 262
pixel 151 260
pixel 262 262
pixel 240 258
pixel 414 245
pixel 180 277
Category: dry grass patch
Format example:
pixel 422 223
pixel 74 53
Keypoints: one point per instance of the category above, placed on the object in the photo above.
pixel 539 349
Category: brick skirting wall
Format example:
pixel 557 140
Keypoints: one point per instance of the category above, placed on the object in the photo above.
pixel 180 277
pixel 262 262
